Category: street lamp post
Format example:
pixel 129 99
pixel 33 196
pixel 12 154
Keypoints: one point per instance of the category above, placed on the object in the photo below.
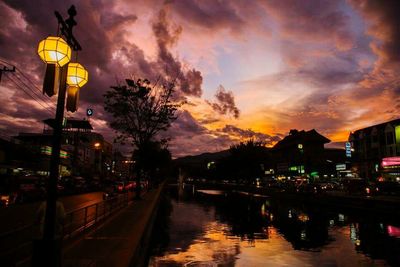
pixel 47 252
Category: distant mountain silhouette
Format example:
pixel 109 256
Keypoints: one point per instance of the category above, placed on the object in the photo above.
pixel 205 157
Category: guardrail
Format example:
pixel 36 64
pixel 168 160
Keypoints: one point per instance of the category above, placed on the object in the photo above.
pixel 80 219
pixel 16 245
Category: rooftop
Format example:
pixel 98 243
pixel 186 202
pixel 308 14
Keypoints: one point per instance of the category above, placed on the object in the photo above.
pixel 300 137
pixel 72 124
pixel 378 126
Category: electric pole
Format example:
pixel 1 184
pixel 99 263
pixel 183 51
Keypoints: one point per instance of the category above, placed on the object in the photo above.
pixel 6 69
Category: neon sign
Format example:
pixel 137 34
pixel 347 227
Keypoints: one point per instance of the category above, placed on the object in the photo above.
pixel 46 150
pixel 348 149
pixel 391 161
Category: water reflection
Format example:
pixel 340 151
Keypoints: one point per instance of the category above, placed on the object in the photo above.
pixel 220 229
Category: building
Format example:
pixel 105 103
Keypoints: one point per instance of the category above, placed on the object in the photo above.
pixel 303 153
pixel 376 151
pixel 83 152
pixel 39 144
pixel 14 158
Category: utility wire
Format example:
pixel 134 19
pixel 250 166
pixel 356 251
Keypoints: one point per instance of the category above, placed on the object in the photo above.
pixel 22 73
pixel 29 94
pixel 40 96
pixel 27 85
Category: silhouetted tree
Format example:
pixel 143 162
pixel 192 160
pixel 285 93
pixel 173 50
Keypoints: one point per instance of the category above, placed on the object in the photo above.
pixel 245 162
pixel 153 159
pixel 140 111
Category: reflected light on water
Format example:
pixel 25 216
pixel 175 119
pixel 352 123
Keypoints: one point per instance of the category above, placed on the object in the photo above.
pixel 207 235
pixel 211 192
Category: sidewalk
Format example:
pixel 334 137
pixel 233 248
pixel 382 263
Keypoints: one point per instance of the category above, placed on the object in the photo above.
pixel 117 241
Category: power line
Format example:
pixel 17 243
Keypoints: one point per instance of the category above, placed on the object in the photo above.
pixel 29 79
pixel 21 72
pixel 38 95
pixel 20 87
pixel 5 69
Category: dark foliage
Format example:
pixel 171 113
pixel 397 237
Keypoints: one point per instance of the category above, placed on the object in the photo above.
pixel 246 161
pixel 140 111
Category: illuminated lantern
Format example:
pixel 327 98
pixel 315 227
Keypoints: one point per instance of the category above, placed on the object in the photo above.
pixel 77 75
pixel 54 50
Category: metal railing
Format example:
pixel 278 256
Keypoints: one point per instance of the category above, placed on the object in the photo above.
pixel 80 219
pixel 16 245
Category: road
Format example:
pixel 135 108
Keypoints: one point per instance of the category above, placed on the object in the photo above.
pixel 16 216
pixel 18 227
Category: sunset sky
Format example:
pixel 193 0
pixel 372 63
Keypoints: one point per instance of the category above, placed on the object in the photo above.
pixel 247 68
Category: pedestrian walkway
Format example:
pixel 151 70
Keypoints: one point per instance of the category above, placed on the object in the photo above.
pixel 117 241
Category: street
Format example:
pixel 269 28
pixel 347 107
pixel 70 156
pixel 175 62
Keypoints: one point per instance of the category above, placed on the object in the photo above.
pixel 16 216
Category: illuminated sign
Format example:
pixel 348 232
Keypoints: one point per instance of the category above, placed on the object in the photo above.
pixel 300 147
pixel 89 112
pixel 340 167
pixel 210 165
pixel 299 169
pixel 397 131
pixel 391 161
pixel 348 149
pixel 46 150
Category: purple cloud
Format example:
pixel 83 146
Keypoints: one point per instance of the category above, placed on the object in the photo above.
pixel 225 103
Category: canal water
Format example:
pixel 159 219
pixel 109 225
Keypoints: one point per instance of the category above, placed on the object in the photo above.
pixel 217 228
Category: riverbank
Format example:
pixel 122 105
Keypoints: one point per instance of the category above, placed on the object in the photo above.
pixel 382 204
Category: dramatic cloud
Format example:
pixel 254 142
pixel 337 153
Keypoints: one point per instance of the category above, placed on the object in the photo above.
pixel 249 134
pixel 329 65
pixel 112 21
pixel 210 14
pixel 383 16
pixel 189 82
pixel 225 103
pixel 309 21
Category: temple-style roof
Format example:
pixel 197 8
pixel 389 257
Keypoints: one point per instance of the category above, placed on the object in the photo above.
pixel 301 137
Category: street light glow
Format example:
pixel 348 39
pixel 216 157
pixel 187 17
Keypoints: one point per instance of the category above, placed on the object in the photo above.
pixel 77 75
pixel 97 145
pixel 54 50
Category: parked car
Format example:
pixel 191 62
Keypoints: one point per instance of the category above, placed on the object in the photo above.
pixel 109 193
pixel 120 187
pixel 355 186
pixel 312 188
pixel 31 188
pixel 388 187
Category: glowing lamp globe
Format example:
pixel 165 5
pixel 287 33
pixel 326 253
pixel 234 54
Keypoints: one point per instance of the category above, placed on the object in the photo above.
pixel 54 50
pixel 77 75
